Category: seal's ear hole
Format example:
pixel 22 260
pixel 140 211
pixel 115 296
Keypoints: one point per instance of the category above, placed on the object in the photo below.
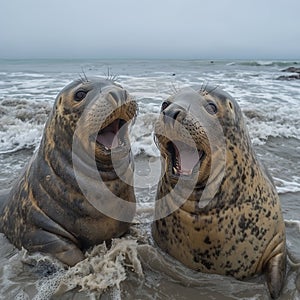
pixel 80 95
pixel 230 105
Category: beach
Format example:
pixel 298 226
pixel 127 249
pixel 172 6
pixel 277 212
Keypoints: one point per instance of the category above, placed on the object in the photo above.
pixel 271 110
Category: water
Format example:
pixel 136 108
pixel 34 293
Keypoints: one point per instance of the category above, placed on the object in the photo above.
pixel 271 108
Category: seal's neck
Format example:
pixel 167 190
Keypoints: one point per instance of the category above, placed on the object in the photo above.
pixel 244 179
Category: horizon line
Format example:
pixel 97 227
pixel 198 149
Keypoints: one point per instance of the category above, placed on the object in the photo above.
pixel 155 58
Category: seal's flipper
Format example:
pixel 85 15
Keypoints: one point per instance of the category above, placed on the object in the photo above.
pixel 52 244
pixel 275 274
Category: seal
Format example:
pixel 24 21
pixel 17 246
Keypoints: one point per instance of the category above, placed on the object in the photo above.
pixel 230 222
pixel 47 210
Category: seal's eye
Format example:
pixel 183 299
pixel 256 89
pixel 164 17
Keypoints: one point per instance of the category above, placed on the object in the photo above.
pixel 165 105
pixel 80 95
pixel 211 108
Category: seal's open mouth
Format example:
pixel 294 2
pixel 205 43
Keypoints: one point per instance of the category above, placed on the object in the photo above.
pixel 184 158
pixel 111 137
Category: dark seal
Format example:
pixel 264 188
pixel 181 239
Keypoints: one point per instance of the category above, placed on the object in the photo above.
pixel 47 210
pixel 230 222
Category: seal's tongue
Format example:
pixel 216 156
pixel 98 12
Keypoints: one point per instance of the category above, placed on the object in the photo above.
pixel 186 158
pixel 108 135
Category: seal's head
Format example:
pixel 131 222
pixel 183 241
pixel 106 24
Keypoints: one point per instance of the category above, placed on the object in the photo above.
pixel 96 112
pixel 189 132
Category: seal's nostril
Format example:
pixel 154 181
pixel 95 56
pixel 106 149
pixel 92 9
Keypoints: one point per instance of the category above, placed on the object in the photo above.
pixel 115 95
pixel 171 113
pixel 119 96
pixel 176 114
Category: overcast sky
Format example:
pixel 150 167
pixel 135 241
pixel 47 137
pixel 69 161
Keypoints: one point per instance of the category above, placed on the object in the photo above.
pixel 212 29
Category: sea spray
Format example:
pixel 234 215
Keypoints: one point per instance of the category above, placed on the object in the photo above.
pixel 103 268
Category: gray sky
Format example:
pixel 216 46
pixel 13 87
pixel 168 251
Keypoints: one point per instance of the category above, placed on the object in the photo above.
pixel 209 29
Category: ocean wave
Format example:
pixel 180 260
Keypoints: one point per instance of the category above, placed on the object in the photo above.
pixel 264 63
pixel 102 271
pixel 261 132
pixel 275 121
pixel 20 136
pixel 292 222
pixel 141 134
pixel 21 124
pixel 27 75
pixel 287 186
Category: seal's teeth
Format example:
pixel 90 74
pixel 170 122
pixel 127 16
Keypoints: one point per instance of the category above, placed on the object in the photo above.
pixel 106 148
pixel 186 173
pixel 175 171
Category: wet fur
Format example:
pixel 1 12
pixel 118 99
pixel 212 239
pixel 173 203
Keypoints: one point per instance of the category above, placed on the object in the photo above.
pixel 46 211
pixel 241 231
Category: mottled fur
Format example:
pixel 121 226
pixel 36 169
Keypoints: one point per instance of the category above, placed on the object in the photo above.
pixel 46 210
pixel 241 231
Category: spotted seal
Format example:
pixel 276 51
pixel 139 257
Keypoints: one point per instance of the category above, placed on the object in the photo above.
pixel 230 222
pixel 47 210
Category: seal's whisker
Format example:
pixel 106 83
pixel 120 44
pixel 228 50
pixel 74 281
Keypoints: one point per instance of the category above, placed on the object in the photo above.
pixel 213 89
pixel 202 86
pixel 205 87
pixel 107 74
pixel 110 76
pixel 81 78
pixel 114 77
pixel 173 88
pixel 85 77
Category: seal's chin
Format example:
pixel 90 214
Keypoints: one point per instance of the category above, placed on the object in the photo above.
pixel 111 136
pixel 185 159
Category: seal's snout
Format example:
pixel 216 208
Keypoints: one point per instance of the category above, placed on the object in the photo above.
pixel 117 95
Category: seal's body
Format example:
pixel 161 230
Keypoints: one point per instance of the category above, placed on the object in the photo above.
pixel 47 210
pixel 231 222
